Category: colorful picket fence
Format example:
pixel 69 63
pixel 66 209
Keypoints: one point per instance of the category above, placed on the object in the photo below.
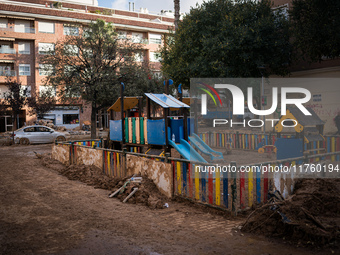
pixel 89 143
pixel 113 163
pixel 251 141
pixel 237 190
pixel 227 190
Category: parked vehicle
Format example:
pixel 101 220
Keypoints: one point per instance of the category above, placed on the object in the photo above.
pixel 38 134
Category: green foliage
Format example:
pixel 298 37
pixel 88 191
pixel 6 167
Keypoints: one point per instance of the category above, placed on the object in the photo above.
pixel 228 39
pixel 93 69
pixel 316 28
pixel 14 99
pixel 41 104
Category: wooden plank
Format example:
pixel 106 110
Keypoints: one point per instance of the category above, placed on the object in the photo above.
pixel 210 188
pixel 108 164
pixel 265 186
pixel 190 193
pixel 250 189
pixel 141 124
pixel 203 186
pixel 137 130
pixel 217 188
pixel 145 130
pixel 197 184
pixel 179 186
pixel 130 129
pixel 333 148
pixel 242 189
pixel 184 178
pixel 258 185
pixel 225 190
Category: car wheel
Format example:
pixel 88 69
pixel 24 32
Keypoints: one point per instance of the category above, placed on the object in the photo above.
pixel 24 141
pixel 61 139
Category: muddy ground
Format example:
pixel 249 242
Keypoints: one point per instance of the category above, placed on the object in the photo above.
pixel 43 212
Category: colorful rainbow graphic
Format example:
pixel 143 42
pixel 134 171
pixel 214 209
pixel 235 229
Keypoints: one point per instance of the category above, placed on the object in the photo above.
pixel 209 93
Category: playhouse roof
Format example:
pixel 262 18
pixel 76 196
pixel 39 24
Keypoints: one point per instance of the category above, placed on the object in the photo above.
pixel 310 120
pixel 129 103
pixel 166 101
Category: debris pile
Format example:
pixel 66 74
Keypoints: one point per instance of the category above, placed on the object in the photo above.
pixel 147 192
pixel 311 216
pixel 139 190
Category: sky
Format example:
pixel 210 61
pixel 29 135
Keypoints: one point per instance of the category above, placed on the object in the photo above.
pixel 154 6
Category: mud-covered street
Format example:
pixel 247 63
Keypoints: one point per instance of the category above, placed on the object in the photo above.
pixel 42 212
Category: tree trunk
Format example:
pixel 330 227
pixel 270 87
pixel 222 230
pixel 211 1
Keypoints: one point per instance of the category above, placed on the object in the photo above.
pixel 93 122
pixel 176 5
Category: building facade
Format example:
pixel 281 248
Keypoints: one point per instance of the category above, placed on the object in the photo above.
pixel 28 28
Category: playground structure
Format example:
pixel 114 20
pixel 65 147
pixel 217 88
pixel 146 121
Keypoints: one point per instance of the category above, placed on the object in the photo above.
pixel 309 130
pixel 153 134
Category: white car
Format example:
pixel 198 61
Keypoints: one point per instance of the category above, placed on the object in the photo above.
pixel 38 134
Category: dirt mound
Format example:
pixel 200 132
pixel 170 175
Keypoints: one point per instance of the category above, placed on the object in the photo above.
pixel 147 193
pixel 309 217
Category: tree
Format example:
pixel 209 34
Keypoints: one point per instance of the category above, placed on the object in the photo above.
pixel 91 67
pixel 224 38
pixel 14 99
pixel 316 28
pixel 177 15
pixel 41 104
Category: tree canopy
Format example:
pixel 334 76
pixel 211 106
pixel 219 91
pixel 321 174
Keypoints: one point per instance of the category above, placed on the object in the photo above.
pixel 93 65
pixel 224 38
pixel 316 28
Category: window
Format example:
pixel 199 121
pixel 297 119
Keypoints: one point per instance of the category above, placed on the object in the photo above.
pixel 70 70
pixel 43 129
pixel 46 27
pixel 25 69
pixel 6 71
pixel 45 69
pixel 46 48
pixel 3 23
pixel 122 34
pixel 70 118
pixel 22 26
pixel 25 91
pixel 47 90
pixel 155 38
pixel 29 129
pixel 24 48
pixel 137 37
pixel 139 57
pixel 154 56
pixel 71 30
pixel 71 50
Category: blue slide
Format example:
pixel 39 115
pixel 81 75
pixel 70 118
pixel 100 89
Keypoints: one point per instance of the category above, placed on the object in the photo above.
pixel 187 151
pixel 198 143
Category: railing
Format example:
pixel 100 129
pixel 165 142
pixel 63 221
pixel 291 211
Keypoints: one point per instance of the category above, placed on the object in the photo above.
pixel 8 73
pixel 236 189
pixel 29 30
pixel 7 50
pixel 251 141
pixel 233 189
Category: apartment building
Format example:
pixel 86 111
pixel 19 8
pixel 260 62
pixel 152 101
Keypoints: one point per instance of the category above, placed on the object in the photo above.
pixel 28 28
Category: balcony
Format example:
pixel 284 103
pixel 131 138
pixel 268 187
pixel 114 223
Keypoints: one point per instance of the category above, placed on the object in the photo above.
pixel 28 30
pixel 7 73
pixel 7 50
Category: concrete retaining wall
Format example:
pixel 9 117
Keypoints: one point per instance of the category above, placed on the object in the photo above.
pixel 159 172
pixel 61 153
